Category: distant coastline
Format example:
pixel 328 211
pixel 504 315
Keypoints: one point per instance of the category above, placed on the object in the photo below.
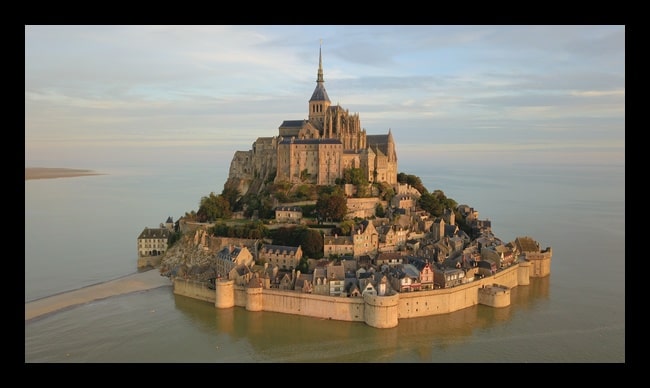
pixel 51 173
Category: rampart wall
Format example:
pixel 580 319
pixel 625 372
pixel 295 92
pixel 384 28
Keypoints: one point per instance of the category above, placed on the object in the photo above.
pixel 193 289
pixel 376 311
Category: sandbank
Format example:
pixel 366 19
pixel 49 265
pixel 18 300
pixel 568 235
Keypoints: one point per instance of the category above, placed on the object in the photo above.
pixel 140 281
pixel 50 173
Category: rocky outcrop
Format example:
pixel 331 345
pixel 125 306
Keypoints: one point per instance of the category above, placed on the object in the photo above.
pixel 188 258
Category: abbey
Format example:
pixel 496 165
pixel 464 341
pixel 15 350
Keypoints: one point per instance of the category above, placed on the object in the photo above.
pixel 315 150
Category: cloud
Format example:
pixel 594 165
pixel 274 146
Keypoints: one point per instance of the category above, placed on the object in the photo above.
pixel 156 85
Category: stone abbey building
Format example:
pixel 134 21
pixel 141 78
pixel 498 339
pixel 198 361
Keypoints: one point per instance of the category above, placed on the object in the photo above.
pixel 315 150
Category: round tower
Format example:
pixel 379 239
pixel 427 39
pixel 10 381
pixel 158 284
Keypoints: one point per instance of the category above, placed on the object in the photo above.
pixel 523 273
pixel 381 311
pixel 225 293
pixel 254 297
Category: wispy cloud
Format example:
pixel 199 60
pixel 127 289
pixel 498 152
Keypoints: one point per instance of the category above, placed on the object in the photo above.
pixel 88 87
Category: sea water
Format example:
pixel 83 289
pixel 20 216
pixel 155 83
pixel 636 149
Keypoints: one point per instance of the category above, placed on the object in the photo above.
pixel 83 230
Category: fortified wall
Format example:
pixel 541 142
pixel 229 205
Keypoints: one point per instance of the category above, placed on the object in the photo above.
pixel 376 311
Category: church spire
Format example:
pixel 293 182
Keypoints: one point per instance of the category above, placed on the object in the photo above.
pixel 320 63
pixel 320 94
pixel 319 102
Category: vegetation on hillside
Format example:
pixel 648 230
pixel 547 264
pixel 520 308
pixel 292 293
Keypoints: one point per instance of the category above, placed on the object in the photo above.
pixel 330 206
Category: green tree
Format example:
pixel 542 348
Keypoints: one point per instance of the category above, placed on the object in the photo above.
pixel 379 210
pixel 386 191
pixel 303 265
pixel 332 206
pixel 413 181
pixel 354 176
pixel 213 207
pixel 311 242
pixel 346 227
pixel 436 202
pixel 304 175
pixel 231 194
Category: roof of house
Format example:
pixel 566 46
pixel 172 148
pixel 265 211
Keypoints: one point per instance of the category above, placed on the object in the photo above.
pixel 293 140
pixel 289 208
pixel 279 249
pixel 154 233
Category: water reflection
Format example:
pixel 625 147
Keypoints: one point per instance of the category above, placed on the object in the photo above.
pixel 276 337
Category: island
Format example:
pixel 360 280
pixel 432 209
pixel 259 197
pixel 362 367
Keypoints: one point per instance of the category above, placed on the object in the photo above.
pixel 318 221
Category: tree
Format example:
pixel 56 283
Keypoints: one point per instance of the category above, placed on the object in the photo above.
pixel 304 175
pixel 386 191
pixel 435 203
pixel 346 227
pixel 303 265
pixel 413 181
pixel 354 176
pixel 213 207
pixel 332 206
pixel 379 210
pixel 231 194
pixel 311 242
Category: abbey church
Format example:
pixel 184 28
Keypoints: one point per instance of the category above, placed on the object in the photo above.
pixel 315 150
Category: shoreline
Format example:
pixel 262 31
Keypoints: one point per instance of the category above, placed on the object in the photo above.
pixel 53 173
pixel 140 281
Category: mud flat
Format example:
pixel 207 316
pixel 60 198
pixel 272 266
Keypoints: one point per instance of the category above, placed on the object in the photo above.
pixel 141 281
pixel 51 173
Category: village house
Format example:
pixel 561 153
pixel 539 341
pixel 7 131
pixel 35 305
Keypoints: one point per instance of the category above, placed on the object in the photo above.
pixel 338 246
pixel 229 257
pixel 285 257
pixel 444 277
pixel 153 241
pixel 290 214
pixel 365 239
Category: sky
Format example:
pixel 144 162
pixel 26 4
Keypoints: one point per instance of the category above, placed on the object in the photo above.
pixel 128 94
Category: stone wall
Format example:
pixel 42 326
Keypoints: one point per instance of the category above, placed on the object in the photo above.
pixel 193 289
pixel 376 311
pixel 363 207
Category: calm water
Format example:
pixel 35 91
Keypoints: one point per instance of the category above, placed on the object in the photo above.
pixel 81 231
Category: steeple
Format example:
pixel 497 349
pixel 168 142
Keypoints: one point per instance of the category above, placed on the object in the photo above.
pixel 319 101
pixel 319 93
pixel 320 66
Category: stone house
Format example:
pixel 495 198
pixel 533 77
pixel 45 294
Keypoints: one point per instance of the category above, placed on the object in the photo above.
pixel 500 254
pixel 389 258
pixel 365 239
pixel 353 290
pixel 285 257
pixel 369 289
pixel 291 214
pixel 229 257
pixel 338 245
pixel 241 274
pixel 153 241
pixel 392 237
pixel 404 201
pixel 448 277
pixel 405 278
pixel 426 273
pixel 320 282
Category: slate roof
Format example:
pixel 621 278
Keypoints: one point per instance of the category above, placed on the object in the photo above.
pixel 293 123
pixel 154 233
pixel 292 140
pixel 279 249
pixel 320 94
